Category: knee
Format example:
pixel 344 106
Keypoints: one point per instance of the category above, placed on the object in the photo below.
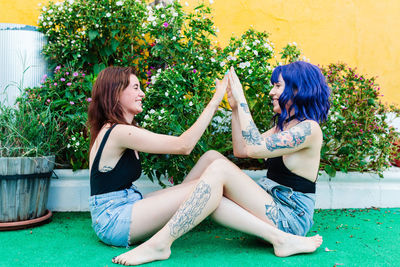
pixel 217 167
pixel 212 155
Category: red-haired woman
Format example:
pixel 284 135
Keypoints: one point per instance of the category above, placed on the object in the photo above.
pixel 122 216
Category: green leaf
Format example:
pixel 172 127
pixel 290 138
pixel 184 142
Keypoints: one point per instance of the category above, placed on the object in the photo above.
pixel 98 67
pixel 93 34
pixel 114 45
pixel 114 32
pixel 330 170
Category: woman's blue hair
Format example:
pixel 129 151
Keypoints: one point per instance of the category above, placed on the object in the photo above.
pixel 307 89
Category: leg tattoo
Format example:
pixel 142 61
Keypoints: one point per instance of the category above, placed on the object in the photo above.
pixel 184 218
pixel 272 212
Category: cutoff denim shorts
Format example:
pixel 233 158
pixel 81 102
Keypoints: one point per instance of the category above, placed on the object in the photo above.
pixel 294 210
pixel 111 215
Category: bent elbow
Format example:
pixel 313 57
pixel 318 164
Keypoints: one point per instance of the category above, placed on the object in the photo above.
pixel 239 154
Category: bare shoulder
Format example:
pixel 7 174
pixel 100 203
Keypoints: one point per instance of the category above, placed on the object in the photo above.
pixel 307 128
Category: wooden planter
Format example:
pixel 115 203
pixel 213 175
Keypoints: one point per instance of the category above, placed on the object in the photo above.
pixel 24 187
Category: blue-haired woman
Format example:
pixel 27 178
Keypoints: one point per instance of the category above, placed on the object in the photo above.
pixel 216 187
pixel 300 98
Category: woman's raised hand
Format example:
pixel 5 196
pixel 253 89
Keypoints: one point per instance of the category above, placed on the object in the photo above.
pixel 235 87
pixel 220 89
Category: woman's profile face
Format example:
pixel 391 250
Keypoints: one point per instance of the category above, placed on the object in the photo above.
pixel 276 92
pixel 131 97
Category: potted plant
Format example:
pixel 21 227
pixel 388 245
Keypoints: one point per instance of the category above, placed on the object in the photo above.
pixel 27 134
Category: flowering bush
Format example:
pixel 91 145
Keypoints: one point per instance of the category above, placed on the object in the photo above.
pixel 67 94
pixel 356 135
pixel 92 34
pixel 178 62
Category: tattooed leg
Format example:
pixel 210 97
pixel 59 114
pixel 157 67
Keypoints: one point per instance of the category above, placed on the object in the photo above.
pixel 202 201
pixel 184 218
pixel 272 212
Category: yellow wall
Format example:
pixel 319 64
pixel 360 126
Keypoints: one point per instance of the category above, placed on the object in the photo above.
pixel 363 33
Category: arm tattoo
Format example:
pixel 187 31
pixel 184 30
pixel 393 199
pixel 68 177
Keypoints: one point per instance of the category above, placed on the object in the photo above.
pixel 252 136
pixel 289 139
pixel 245 107
pixel 106 169
pixel 184 219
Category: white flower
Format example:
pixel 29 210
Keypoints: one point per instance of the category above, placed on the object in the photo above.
pixel 44 8
pixel 174 38
pixel 162 16
pixel 97 25
pixel 190 103
pixel 50 11
pixel 153 79
pixel 159 6
pixel 250 71
pixel 166 94
pixel 146 117
pixel 162 110
pixel 77 144
pixel 159 118
pixel 144 124
pixel 248 47
pixel 186 4
pixel 149 8
pixel 73 138
pixel 60 8
pixel 152 111
pixel 68 146
pixel 154 23
pixel 231 58
pixel 48 18
pixel 119 3
pixel 71 2
pixel 294 43
pixel 40 17
pixel 222 64
pixel 70 9
pixel 212 60
pixel 151 18
pixel 174 14
pixel 108 15
pixel 211 2
pixel 50 23
pixel 44 23
pixel 200 58
pixel 236 52
pixel 255 52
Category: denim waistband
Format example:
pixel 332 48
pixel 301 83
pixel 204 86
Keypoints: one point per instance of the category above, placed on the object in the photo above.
pixel 125 193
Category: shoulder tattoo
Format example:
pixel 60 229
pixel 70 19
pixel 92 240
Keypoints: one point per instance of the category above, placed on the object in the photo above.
pixel 292 138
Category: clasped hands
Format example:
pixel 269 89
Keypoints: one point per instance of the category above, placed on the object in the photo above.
pixel 232 86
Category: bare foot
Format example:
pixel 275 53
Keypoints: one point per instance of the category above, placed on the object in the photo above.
pixel 144 253
pixel 294 244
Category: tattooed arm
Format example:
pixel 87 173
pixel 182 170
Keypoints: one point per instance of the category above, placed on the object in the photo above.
pixel 270 144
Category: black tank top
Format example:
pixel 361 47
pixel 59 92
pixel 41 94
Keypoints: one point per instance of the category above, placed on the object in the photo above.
pixel 127 170
pixel 278 172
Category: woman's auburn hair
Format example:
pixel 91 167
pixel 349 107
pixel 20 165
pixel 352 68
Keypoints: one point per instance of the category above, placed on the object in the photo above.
pixel 105 107
pixel 306 88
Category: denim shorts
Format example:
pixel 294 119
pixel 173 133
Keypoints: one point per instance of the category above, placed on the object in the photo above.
pixel 293 211
pixel 111 215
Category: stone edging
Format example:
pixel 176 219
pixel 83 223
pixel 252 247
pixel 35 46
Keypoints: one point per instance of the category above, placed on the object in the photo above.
pixel 347 190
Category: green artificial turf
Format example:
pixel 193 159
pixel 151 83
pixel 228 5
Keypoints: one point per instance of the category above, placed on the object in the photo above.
pixel 367 237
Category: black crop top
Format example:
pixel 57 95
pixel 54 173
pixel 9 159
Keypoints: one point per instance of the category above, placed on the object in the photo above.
pixel 278 172
pixel 127 170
